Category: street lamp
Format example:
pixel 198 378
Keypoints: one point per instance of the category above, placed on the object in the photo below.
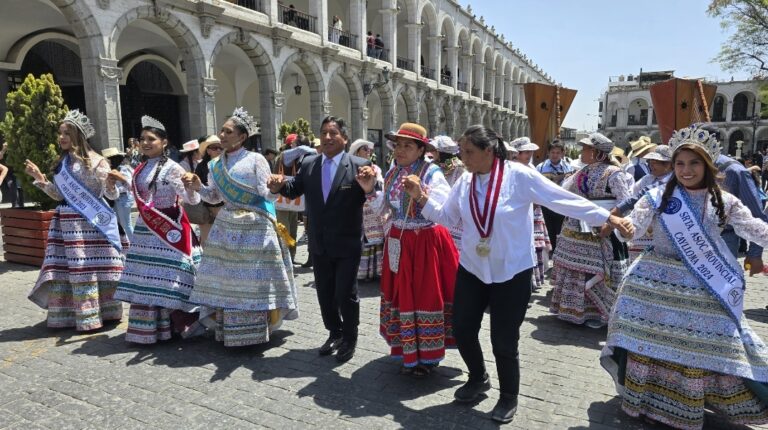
pixel 381 80
pixel 755 123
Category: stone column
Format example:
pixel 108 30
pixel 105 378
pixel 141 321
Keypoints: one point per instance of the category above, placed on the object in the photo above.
pixel 271 119
pixel 319 9
pixel 414 45
pixel 491 81
pixel 468 69
pixel 357 23
pixel 359 121
pixel 436 55
pixel 480 78
pixel 209 93
pixel 389 25
pixel 452 63
pixel 101 82
pixel 729 111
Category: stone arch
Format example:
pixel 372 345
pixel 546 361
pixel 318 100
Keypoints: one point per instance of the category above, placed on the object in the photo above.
pixel 356 99
pixel 80 18
pixel 21 48
pixel 431 118
pixel 743 105
pixel 170 70
pixel 317 86
pixel 428 9
pixel 411 103
pixel 265 72
pixel 637 111
pixel 719 107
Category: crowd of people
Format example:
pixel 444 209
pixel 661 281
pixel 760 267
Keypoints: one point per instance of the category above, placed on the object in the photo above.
pixel 452 229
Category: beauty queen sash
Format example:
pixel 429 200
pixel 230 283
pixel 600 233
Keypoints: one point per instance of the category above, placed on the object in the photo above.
pixel 709 260
pixel 87 204
pixel 175 233
pixel 237 192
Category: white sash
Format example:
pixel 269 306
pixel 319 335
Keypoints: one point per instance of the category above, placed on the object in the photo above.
pixel 709 260
pixel 88 205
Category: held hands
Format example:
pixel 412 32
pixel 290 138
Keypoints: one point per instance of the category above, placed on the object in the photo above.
pixel 366 178
pixel 624 225
pixel 412 186
pixel 275 183
pixel 754 265
pixel 191 182
pixel 32 170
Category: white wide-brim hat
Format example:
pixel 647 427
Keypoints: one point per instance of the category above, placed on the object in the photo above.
pixel 192 145
pixel 359 143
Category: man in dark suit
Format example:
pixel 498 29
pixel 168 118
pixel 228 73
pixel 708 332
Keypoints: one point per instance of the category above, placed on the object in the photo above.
pixel 334 202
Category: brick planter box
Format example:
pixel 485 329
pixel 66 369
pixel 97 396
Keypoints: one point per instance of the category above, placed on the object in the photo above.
pixel 24 235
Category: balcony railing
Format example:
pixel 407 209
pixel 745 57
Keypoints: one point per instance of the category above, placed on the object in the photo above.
pixel 257 5
pixel 428 73
pixel 497 100
pixel 297 19
pixel 487 96
pixel 462 86
pixel 405 63
pixel 632 120
pixel 378 53
pixel 506 105
pixel 445 79
pixel 476 92
pixel 342 37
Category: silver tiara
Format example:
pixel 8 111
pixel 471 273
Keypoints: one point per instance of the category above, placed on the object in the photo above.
pixel 696 135
pixel 148 121
pixel 79 120
pixel 240 117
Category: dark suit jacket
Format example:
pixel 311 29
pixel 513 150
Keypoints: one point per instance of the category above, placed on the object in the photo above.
pixel 337 225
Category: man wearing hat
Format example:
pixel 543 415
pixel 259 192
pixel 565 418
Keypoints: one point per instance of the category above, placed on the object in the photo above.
pixel 334 202
pixel 555 168
pixel 637 168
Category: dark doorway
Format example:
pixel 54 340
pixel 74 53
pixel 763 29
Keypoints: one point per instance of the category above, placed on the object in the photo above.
pixel 149 92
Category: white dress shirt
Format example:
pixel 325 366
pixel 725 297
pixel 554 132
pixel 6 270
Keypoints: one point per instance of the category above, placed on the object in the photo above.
pixel 512 232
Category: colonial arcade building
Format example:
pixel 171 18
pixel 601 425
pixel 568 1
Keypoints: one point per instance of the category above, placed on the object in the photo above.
pixel 190 62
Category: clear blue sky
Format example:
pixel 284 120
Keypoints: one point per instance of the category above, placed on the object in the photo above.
pixel 580 43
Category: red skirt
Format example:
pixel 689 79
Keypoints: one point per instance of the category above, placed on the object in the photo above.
pixel 416 302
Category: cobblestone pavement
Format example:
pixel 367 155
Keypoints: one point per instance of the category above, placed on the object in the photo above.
pixel 61 379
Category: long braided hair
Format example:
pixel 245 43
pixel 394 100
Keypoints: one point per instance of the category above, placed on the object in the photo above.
pixel 162 135
pixel 482 137
pixel 710 182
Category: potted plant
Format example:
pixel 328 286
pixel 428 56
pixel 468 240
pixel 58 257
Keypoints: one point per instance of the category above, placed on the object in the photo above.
pixel 30 128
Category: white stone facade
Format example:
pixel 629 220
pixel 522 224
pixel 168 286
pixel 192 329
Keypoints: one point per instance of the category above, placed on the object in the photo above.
pixel 627 113
pixel 215 55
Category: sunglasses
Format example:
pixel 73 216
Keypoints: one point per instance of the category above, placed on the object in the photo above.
pixel 215 148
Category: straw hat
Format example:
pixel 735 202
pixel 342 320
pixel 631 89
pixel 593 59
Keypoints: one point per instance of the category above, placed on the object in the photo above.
pixel 412 131
pixel 204 145
pixel 445 145
pixel 111 152
pixel 524 144
pixel 660 153
pixel 190 146
pixel 641 146
pixel 359 143
pixel 618 154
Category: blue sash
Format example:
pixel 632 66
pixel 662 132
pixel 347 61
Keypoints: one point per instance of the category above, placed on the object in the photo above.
pixel 709 260
pixel 238 192
pixel 89 206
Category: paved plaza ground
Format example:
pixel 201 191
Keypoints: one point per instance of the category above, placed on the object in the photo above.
pixel 61 379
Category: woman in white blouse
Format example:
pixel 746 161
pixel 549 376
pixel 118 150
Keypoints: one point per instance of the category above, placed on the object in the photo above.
pixel 494 205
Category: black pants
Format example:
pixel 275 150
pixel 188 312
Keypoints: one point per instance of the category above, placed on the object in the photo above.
pixel 336 284
pixel 509 302
pixel 554 223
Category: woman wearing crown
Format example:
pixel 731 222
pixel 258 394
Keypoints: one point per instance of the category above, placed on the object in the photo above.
pixel 162 262
pixel 246 274
pixel 678 341
pixel 84 252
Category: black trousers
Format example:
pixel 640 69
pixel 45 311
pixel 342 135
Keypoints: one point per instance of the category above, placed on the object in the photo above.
pixel 336 284
pixel 509 302
pixel 554 223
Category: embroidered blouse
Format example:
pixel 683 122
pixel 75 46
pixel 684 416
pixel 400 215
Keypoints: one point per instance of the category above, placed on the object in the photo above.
pixel 94 179
pixel 393 199
pixel 246 167
pixel 167 188
pixel 645 218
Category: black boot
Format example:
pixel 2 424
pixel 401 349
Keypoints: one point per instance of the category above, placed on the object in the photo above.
pixel 470 391
pixel 505 408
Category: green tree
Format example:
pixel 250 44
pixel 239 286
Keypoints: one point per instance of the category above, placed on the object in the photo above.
pixel 300 126
pixel 747 47
pixel 30 127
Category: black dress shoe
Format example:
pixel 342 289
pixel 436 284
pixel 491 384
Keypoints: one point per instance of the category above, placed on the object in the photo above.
pixel 330 346
pixel 472 389
pixel 346 351
pixel 505 408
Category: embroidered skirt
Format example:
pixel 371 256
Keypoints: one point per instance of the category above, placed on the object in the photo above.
pixel 542 245
pixel 587 270
pixel 677 395
pixel 79 275
pixel 370 262
pixel 156 274
pixel 416 302
pixel 245 273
